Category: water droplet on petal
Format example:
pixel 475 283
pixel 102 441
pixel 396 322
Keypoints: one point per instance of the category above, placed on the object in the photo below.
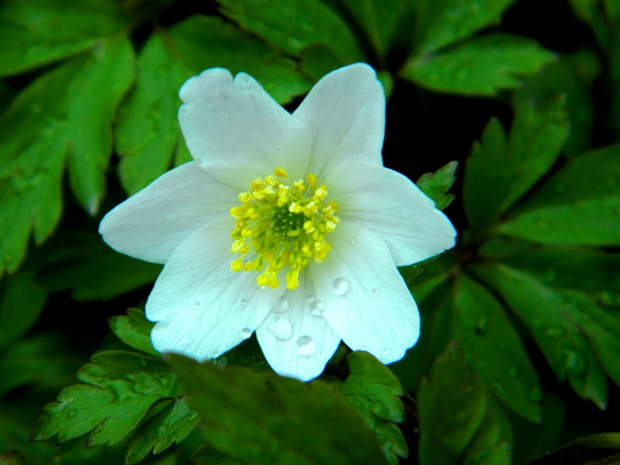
pixel 215 354
pixel 246 333
pixel 218 272
pixel 282 329
pixel 197 304
pixel 353 240
pixel 292 362
pixel 306 345
pixel 317 307
pixel 244 301
pixel 375 291
pixel 386 351
pixel 340 286
pixel 281 306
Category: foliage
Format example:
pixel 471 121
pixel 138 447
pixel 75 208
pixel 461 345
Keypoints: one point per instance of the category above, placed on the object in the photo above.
pixel 521 318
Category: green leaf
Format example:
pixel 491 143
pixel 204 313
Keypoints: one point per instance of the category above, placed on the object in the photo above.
pixel 37 32
pixel 134 330
pixel 148 131
pixel 578 205
pixel 44 360
pixel 169 426
pixel 482 66
pixel 379 19
pixel 317 60
pixel 374 392
pixel 273 420
pixel 12 457
pixel 458 421
pixel 556 319
pixel 291 25
pixel 602 448
pixel 65 116
pixel 207 455
pixel 120 389
pixel 21 303
pixel 563 77
pixel 92 270
pixel 442 22
pixel 435 185
pixel 494 349
pixel 502 169
pixel 591 271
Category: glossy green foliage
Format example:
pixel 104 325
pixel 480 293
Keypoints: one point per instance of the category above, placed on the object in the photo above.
pixel 134 330
pixel 374 392
pixel 275 420
pixel 436 185
pixel 62 118
pixel 119 389
pixel 481 66
pixel 459 422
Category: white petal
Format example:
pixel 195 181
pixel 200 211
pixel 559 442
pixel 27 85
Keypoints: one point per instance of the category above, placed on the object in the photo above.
pixel 201 306
pixel 367 301
pixel 295 338
pixel 152 223
pixel 345 111
pixel 392 206
pixel 237 123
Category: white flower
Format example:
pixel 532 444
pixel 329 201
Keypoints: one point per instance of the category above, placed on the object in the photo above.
pixel 303 197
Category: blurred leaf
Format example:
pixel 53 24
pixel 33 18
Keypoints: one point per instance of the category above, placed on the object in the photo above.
pixel 591 12
pixel 12 457
pixel 494 350
pixel 7 95
pixel 317 60
pixel 578 205
pixel 563 326
pixel 435 185
pixel 207 455
pixel 566 267
pixel 273 420
pixel 45 360
pixel 561 77
pixel 168 427
pixel 443 22
pixel 14 435
pixel 379 19
pixel 21 303
pixel 148 131
pixel 459 422
pixel 120 389
pixel 66 113
pixel 291 25
pixel 603 448
pixel 482 66
pixel 37 32
pixel 502 169
pixel 374 392
pixel 134 330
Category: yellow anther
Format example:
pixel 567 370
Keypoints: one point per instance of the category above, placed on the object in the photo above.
pixel 300 185
pixel 311 178
pixel 294 207
pixel 245 197
pixel 249 266
pixel 308 226
pixel 262 280
pixel 320 193
pixel 281 173
pixel 237 265
pixel 257 184
pixel 292 279
pixel 237 212
pixel 272 282
pixel 271 181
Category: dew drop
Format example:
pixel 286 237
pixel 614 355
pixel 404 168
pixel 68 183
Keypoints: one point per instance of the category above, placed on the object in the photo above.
pixel 197 304
pixel 309 299
pixel 246 333
pixel 316 307
pixel 353 240
pixel 244 301
pixel 375 291
pixel 281 306
pixel 306 345
pixel 481 326
pixel 535 394
pixel 386 351
pixel 282 329
pixel 340 286
pixel 72 413
pixel 292 362
pixel 513 372
pixel 142 361
pixel 161 431
pixel 554 332
pixel 215 354
pixel 498 388
pixel 218 272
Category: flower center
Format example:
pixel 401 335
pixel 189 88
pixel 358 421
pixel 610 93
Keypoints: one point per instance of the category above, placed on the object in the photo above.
pixel 285 225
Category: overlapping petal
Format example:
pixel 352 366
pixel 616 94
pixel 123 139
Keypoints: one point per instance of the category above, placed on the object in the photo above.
pixel 236 122
pixel 394 208
pixel 201 306
pixel 295 338
pixel 366 300
pixel 345 112
pixel 152 223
